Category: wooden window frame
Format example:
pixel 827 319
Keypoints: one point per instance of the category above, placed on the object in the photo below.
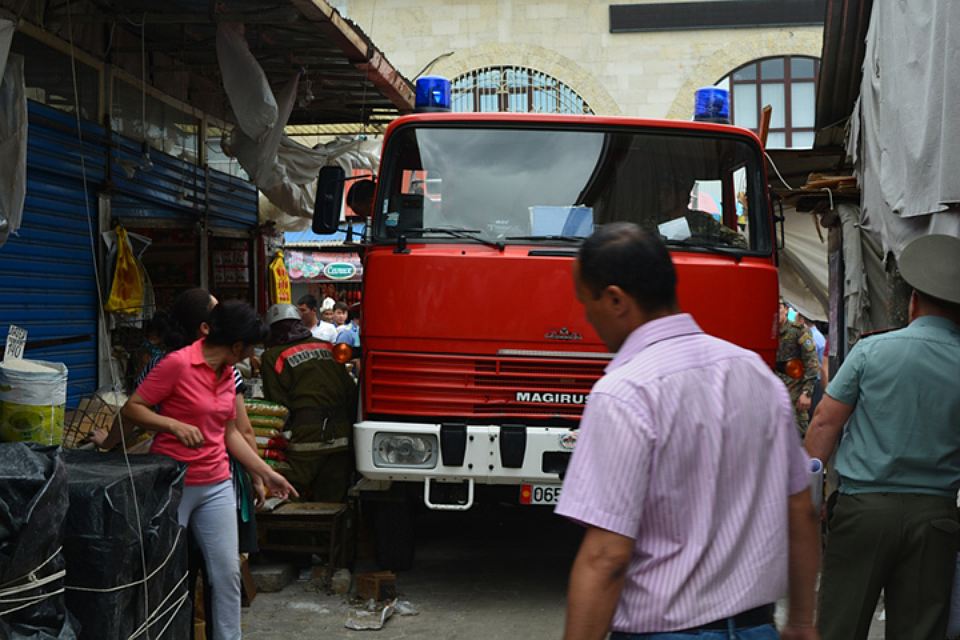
pixel 788 79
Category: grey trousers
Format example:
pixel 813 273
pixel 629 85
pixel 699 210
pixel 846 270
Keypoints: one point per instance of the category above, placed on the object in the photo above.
pixel 210 512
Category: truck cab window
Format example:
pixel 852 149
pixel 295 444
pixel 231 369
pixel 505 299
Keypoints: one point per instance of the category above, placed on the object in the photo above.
pixel 515 184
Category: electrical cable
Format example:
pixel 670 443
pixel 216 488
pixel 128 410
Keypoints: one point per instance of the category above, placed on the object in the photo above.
pixel 93 254
pixel 777 171
pixel 829 193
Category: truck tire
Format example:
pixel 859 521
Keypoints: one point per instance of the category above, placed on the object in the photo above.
pixel 394 534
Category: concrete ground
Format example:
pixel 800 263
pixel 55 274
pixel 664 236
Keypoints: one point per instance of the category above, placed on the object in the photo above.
pixel 498 574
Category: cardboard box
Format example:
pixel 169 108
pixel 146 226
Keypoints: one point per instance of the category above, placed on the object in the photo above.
pixel 378 585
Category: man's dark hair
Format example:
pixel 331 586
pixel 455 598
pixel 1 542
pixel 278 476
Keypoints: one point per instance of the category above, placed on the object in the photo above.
pixel 190 310
pixel 235 321
pixel 341 306
pixel 309 301
pixel 623 254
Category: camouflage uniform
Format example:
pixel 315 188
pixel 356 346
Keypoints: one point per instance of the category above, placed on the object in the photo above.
pixel 796 343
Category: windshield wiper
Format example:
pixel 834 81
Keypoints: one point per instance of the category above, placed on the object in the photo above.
pixel 457 232
pixel 724 250
pixel 576 239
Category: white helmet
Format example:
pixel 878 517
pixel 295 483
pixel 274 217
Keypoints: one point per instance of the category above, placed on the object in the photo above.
pixel 279 312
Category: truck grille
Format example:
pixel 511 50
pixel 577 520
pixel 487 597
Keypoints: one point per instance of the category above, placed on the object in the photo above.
pixel 410 384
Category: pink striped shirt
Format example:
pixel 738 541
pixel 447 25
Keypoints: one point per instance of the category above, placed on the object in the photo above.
pixel 687 445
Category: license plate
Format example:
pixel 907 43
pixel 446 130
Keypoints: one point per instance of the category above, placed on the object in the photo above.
pixel 539 493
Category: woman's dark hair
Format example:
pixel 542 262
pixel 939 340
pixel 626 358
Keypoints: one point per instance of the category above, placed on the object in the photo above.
pixel 623 254
pixel 190 310
pixel 235 321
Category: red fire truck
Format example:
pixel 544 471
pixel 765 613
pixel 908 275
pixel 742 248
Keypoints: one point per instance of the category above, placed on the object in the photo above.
pixel 477 358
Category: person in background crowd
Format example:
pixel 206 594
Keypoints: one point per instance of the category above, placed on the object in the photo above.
pixel 349 333
pixel 300 373
pixel 894 527
pixel 695 497
pixel 797 365
pixel 309 313
pixel 195 390
pixel 820 342
pixel 341 311
pixel 326 312
pixel 151 351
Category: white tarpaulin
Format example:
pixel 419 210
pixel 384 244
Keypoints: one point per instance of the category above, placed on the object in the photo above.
pixel 13 135
pixel 905 136
pixel 804 273
pixel 284 170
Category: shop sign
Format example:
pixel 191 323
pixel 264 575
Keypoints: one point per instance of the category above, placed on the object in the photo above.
pixel 339 270
pixel 317 266
pixel 279 281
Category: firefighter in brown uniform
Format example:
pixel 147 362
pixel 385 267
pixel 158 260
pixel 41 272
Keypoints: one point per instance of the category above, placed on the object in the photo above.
pixel 301 373
pixel 797 365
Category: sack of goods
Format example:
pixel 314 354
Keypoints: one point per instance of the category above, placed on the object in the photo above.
pixel 268 419
pixel 32 398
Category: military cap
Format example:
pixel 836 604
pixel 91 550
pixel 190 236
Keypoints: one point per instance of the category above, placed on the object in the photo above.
pixel 931 265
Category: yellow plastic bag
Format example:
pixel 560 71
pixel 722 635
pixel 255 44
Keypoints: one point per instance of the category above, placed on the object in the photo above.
pixel 126 292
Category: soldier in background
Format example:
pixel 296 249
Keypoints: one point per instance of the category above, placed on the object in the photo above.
pixel 797 365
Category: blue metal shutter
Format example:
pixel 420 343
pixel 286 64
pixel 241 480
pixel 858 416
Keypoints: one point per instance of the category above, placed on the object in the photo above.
pixel 166 188
pixel 47 271
pixel 232 202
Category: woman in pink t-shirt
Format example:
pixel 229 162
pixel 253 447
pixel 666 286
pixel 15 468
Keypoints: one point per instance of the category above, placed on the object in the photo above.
pixel 196 424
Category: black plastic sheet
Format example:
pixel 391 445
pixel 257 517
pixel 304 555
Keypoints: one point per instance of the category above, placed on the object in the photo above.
pixel 33 508
pixel 102 546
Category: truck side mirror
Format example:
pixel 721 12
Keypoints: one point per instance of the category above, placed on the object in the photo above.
pixel 326 209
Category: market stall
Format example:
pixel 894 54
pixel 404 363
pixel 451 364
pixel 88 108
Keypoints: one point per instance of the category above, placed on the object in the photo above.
pixel 330 272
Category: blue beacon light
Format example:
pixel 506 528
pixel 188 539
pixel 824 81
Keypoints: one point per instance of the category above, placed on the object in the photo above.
pixel 433 94
pixel 712 104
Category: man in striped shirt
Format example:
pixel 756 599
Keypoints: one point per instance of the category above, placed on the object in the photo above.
pixel 688 473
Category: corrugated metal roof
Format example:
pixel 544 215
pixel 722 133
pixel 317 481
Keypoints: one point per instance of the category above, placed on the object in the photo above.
pixel 351 80
pixel 841 67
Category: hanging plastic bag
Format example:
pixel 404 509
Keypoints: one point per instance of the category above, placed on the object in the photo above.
pixel 126 291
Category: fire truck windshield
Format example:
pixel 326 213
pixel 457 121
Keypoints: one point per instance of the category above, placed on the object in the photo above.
pixel 525 184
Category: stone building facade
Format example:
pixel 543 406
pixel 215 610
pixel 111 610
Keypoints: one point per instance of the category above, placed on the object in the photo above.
pixel 648 74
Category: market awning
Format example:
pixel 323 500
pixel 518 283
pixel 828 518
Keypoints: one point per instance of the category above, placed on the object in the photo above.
pixel 346 78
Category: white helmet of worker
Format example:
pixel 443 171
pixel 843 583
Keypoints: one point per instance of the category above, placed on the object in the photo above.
pixel 279 312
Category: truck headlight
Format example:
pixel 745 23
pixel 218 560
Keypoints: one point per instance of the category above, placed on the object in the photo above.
pixel 405 450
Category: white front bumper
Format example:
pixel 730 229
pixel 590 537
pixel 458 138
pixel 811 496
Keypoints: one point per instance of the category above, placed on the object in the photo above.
pixel 481 462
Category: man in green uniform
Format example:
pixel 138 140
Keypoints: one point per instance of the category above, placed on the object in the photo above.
pixel 797 365
pixel 301 373
pixel 895 525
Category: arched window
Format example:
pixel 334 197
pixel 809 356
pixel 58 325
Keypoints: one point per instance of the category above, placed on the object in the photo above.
pixel 514 89
pixel 788 84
